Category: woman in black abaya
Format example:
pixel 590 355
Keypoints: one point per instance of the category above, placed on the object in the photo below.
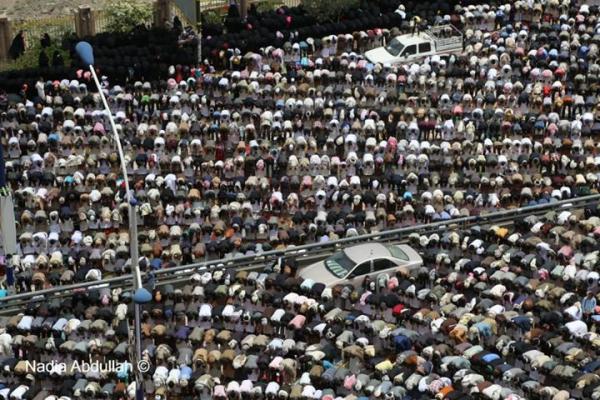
pixel 17 48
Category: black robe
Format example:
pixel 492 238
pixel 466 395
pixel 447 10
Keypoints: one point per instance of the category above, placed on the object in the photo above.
pixel 17 48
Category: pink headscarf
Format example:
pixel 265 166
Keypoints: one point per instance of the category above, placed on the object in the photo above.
pixel 298 321
pixel 219 391
pixel 349 382
pixel 99 128
pixel 392 143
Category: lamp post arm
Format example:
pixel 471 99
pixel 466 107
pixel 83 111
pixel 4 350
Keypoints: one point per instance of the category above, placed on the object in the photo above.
pixel 141 295
pixel 132 216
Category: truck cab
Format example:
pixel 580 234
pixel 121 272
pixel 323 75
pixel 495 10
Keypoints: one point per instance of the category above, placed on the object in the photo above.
pixel 440 40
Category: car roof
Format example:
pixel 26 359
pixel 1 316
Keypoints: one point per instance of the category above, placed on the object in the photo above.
pixel 408 39
pixel 367 251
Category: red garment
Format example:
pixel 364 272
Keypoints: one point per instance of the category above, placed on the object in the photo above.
pixel 547 90
pixel 219 153
pixel 398 308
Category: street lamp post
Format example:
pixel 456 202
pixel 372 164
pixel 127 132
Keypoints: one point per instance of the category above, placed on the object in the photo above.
pixel 141 295
pixel 199 28
pixel 8 229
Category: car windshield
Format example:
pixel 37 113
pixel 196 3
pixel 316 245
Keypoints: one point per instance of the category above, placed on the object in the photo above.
pixel 394 47
pixel 397 252
pixel 339 264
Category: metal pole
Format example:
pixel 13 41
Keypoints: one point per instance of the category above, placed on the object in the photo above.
pixel 133 239
pixel 8 228
pixel 244 9
pixel 132 216
pixel 139 392
pixel 200 46
pixel 199 28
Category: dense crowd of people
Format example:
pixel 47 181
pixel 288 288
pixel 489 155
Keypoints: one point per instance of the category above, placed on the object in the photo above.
pixel 299 140
pixel 304 143
pixel 142 54
pixel 498 313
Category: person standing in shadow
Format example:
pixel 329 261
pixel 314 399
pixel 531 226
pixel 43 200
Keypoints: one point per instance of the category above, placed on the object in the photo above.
pixel 57 59
pixel 17 47
pixel 177 25
pixel 43 59
pixel 45 41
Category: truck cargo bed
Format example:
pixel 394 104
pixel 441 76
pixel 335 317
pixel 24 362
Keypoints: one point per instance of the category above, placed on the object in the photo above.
pixel 446 37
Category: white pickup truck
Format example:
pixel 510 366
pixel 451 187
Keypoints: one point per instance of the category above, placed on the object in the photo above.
pixel 440 40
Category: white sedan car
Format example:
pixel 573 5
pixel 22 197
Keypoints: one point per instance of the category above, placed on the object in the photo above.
pixel 353 264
